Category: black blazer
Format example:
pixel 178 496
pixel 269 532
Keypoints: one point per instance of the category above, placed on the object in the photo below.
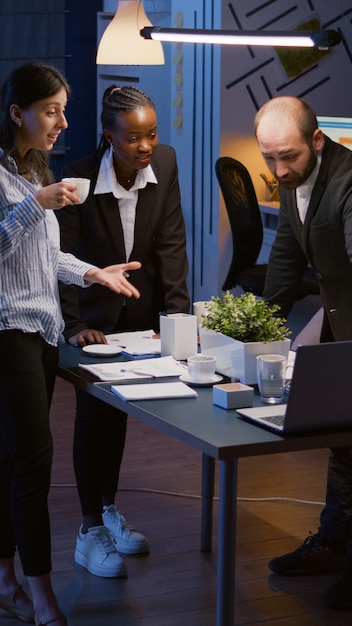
pixel 93 232
pixel 324 240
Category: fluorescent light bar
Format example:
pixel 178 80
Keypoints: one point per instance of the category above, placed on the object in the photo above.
pixel 301 39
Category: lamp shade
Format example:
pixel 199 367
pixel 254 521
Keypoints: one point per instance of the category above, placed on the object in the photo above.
pixel 121 43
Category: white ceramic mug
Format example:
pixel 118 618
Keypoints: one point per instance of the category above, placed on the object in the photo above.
pixel 82 187
pixel 271 371
pixel 201 367
pixel 199 309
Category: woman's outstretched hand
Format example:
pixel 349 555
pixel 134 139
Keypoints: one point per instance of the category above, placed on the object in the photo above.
pixel 115 278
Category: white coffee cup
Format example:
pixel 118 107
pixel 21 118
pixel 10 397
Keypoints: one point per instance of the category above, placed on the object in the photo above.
pixel 271 371
pixel 201 367
pixel 82 187
pixel 199 309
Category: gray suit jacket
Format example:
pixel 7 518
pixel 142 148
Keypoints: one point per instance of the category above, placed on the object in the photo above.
pixel 93 232
pixel 324 240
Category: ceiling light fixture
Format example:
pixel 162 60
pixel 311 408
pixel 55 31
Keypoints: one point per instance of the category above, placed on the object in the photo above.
pixel 303 39
pixel 121 43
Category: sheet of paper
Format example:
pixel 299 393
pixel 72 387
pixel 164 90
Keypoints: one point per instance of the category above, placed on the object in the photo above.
pixel 160 367
pixel 290 364
pixel 137 343
pixel 154 391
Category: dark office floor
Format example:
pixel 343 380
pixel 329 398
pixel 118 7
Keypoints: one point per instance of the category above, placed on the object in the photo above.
pixel 175 584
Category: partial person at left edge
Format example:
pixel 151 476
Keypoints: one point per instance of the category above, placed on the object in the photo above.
pixel 133 211
pixel 33 102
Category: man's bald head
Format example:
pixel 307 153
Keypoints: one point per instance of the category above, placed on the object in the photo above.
pixel 289 109
pixel 289 139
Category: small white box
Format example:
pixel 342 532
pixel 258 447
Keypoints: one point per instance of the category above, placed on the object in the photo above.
pixel 178 335
pixel 233 395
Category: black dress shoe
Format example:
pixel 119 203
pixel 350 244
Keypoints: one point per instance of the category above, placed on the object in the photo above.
pixel 312 557
pixel 339 595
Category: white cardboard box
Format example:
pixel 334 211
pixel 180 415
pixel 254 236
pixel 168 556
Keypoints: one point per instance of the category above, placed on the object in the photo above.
pixel 178 335
pixel 233 395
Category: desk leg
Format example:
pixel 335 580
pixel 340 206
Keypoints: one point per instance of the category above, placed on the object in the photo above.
pixel 225 593
pixel 208 476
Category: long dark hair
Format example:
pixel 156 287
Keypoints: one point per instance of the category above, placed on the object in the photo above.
pixel 116 100
pixel 24 86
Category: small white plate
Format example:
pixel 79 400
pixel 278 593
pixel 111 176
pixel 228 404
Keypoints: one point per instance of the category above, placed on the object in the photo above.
pixel 207 383
pixel 101 349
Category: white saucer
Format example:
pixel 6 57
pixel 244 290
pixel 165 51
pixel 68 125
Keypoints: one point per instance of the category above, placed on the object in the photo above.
pixel 101 349
pixel 207 383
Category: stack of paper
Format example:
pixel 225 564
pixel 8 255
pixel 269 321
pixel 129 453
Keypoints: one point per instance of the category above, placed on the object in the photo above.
pixel 161 367
pixel 137 343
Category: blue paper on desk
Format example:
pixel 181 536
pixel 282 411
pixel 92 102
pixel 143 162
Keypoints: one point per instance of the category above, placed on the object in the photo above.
pixel 137 343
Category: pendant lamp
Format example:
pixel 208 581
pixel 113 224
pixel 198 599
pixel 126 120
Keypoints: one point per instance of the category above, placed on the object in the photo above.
pixel 121 43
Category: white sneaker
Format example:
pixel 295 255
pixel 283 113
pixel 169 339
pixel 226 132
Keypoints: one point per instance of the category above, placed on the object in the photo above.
pixel 96 551
pixel 126 538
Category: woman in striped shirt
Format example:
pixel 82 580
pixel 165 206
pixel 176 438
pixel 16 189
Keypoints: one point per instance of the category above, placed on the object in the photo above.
pixel 33 102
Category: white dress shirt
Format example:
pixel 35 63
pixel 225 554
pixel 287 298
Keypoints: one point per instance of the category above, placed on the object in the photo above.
pixel 304 192
pixel 127 199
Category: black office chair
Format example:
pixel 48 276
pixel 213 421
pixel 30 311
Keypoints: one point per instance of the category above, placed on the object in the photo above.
pixel 247 231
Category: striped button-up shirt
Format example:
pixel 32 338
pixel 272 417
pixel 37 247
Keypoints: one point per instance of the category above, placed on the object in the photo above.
pixel 31 263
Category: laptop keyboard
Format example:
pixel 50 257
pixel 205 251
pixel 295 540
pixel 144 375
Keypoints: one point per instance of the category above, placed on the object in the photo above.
pixel 278 420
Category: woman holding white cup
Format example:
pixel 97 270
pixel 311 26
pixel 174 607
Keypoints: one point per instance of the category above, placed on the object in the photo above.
pixel 80 186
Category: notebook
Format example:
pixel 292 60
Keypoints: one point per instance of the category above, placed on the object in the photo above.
pixel 160 367
pixel 154 391
pixel 319 396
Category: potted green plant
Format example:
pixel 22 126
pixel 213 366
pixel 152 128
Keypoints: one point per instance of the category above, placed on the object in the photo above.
pixel 237 329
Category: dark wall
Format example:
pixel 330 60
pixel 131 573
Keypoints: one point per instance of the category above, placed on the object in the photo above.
pixel 81 72
pixel 62 33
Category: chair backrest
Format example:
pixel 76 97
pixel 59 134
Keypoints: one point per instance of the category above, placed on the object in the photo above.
pixel 244 215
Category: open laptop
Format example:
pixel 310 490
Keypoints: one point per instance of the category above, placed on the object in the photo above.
pixel 320 393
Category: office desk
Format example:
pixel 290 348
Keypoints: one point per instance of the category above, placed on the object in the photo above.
pixel 221 436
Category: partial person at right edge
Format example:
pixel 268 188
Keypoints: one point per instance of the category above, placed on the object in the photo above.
pixel 133 211
pixel 315 226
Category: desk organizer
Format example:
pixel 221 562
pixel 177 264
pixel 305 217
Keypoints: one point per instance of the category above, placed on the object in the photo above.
pixel 233 395
pixel 178 335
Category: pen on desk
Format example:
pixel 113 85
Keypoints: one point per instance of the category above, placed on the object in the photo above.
pixel 182 364
pixel 136 371
pixel 113 340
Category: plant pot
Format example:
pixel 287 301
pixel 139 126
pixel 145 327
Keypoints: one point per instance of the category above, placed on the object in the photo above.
pixel 235 358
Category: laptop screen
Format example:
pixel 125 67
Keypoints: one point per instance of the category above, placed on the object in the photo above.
pixel 339 129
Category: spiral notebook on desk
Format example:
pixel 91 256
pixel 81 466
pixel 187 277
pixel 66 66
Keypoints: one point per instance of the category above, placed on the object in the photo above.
pixel 153 391
pixel 319 396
